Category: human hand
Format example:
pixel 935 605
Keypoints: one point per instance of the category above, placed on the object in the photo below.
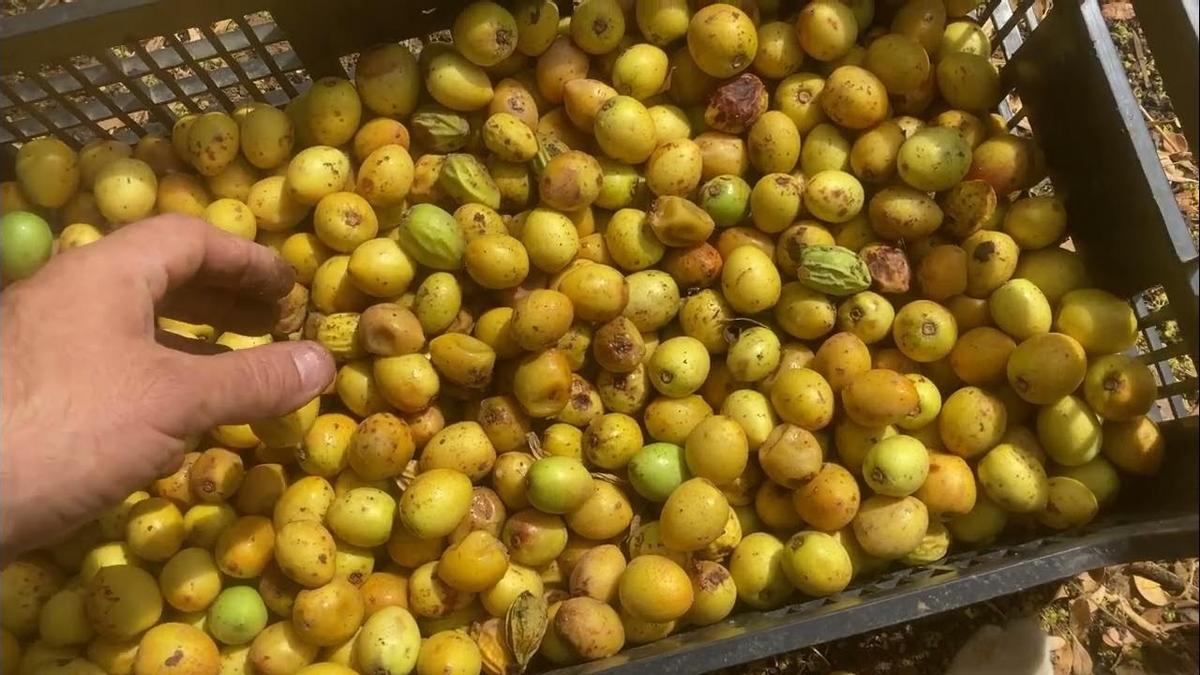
pixel 93 407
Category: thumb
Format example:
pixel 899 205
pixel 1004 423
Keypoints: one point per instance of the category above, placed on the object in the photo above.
pixel 256 383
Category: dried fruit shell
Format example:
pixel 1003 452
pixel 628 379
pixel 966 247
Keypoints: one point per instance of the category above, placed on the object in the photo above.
pixel 439 131
pixel 467 180
pixel 833 270
pixel 433 237
pixel 493 648
pixel 525 625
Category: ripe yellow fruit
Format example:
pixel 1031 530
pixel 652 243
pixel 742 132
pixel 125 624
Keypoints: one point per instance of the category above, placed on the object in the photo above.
pixel 655 588
pixel 722 40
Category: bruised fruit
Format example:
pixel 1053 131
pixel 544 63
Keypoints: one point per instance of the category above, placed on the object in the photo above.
pixel 714 593
pixel 582 628
pixel 735 105
pixel 933 546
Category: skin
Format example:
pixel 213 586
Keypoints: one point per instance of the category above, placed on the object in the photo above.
pixel 95 403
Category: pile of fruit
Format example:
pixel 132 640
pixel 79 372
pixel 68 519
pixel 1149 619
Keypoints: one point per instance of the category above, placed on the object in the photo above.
pixel 640 314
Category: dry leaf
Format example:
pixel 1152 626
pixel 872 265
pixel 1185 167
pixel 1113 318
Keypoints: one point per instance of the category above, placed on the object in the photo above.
pixel 1086 583
pixel 1112 637
pixel 1136 618
pixel 1081 615
pixel 1081 661
pixel 1153 615
pixel 1117 11
pixel 1174 142
pixel 1172 169
pixel 1184 570
pixel 1060 655
pixel 1150 590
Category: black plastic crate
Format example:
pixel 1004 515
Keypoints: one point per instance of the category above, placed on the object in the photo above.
pixel 124 68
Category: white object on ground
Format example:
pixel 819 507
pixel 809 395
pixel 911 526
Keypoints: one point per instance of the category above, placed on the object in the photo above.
pixel 1020 648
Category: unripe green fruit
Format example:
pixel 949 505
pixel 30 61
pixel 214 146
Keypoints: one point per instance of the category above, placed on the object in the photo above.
pixel 558 484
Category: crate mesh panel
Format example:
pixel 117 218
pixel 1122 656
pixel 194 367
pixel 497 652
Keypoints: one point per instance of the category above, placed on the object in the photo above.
pixel 1008 23
pixel 141 87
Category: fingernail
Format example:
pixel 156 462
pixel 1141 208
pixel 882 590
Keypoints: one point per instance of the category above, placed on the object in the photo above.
pixel 315 365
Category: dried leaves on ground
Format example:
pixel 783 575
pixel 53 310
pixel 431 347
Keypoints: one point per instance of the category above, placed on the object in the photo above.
pixel 1138 619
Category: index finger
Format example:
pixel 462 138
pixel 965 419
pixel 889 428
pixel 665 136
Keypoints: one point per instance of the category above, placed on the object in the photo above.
pixel 166 251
